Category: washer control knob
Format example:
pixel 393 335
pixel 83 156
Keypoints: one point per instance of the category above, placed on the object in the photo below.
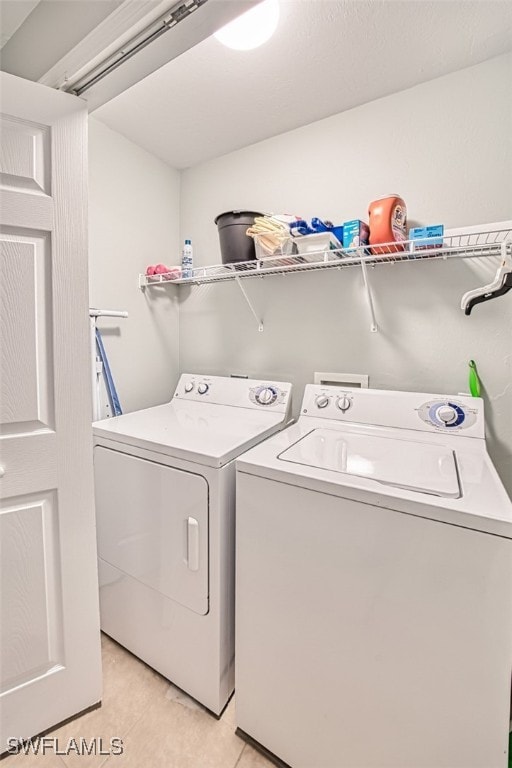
pixel 203 388
pixel 322 401
pixel 344 403
pixel 266 396
pixel 447 414
pixel 189 386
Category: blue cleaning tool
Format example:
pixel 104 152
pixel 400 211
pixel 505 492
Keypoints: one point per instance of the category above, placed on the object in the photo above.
pixel 111 387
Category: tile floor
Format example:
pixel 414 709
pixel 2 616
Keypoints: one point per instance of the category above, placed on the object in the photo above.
pixel 160 726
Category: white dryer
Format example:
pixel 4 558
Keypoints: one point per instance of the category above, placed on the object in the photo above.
pixel 165 506
pixel 374 586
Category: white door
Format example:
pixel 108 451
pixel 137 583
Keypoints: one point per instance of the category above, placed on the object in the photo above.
pixel 50 667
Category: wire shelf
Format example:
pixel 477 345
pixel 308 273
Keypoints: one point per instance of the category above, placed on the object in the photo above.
pixel 470 245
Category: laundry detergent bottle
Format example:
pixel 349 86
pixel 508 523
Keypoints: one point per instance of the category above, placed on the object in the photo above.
pixel 388 224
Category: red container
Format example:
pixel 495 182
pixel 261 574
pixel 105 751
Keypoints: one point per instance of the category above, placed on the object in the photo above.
pixel 388 224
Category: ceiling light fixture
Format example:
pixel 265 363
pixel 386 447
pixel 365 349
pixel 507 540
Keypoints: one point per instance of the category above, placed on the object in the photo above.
pixel 252 28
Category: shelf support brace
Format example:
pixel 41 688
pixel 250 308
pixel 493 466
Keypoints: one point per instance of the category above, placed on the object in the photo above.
pixel 249 304
pixel 373 327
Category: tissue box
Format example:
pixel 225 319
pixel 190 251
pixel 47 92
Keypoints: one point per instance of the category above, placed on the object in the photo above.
pixel 355 233
pixel 427 237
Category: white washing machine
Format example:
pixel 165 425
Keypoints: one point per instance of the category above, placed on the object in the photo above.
pixel 165 506
pixel 374 586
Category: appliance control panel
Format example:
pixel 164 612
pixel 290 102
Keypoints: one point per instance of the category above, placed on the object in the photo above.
pixel 242 393
pixel 448 414
pixel 406 410
pixel 267 395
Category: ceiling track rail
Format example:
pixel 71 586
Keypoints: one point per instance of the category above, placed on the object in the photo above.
pixel 182 10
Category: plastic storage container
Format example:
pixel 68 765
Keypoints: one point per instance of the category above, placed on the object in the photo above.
pixel 235 244
pixel 284 248
pixel 317 242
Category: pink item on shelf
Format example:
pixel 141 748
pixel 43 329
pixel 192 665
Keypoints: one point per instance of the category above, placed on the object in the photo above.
pixel 167 273
pixel 150 273
pixel 162 272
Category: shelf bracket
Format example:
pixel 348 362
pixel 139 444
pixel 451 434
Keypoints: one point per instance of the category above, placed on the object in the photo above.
pixel 249 304
pixel 373 326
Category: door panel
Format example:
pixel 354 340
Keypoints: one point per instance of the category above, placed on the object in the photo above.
pixel 31 630
pixel 50 651
pixel 26 395
pixel 25 155
pixel 153 525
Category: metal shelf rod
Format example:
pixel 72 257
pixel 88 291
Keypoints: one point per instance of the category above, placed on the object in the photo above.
pixel 249 303
pixel 107 313
pixel 369 295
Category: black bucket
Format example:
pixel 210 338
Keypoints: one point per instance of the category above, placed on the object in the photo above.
pixel 235 245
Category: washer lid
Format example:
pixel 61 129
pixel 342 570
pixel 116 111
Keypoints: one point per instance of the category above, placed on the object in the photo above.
pixel 416 466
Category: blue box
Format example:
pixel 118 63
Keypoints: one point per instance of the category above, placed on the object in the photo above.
pixel 427 237
pixel 355 233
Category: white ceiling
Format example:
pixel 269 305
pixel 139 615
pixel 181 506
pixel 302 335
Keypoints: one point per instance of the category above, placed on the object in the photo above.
pixel 47 31
pixel 12 15
pixel 327 56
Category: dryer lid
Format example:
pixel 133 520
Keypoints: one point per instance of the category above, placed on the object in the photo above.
pixel 423 467
pixel 204 433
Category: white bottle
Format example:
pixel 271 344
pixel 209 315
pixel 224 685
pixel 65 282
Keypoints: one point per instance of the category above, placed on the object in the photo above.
pixel 187 260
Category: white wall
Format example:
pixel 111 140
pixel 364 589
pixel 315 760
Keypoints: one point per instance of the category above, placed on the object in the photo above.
pixel 446 147
pixel 134 202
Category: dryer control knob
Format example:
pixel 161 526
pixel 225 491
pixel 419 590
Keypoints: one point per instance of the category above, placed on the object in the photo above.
pixel 447 414
pixel 189 386
pixel 203 388
pixel 322 401
pixel 266 396
pixel 344 403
